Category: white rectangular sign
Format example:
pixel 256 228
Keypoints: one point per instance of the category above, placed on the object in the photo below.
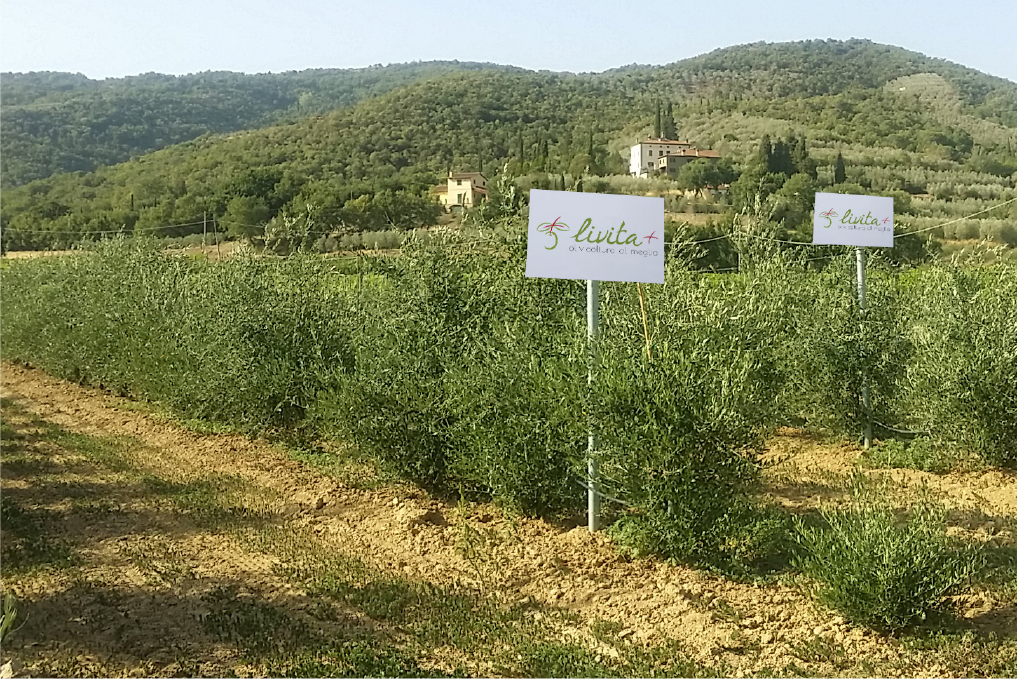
pixel 844 219
pixel 595 236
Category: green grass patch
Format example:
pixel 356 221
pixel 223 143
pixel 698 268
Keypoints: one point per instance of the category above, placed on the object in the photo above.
pixel 256 625
pixel 922 454
pixel 436 615
pixel 110 452
pixel 28 543
pixel 356 658
pixel 822 650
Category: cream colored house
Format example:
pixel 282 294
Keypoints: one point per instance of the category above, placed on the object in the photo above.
pixel 648 156
pixel 461 190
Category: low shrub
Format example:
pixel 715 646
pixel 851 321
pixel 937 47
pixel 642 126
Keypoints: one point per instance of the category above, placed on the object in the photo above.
pixel 921 453
pixel 450 366
pixel 880 571
pixel 747 541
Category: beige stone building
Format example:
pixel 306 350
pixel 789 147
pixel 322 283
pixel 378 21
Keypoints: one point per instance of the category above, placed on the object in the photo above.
pixel 461 190
pixel 670 164
pixel 648 156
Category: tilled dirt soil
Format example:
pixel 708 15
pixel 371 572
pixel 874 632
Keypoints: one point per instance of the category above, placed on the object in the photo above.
pixel 160 563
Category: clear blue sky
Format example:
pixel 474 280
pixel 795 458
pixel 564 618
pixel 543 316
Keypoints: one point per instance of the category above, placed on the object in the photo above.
pixel 104 38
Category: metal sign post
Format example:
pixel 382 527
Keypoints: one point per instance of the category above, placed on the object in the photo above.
pixel 594 237
pixel 592 473
pixel 866 406
pixel 859 221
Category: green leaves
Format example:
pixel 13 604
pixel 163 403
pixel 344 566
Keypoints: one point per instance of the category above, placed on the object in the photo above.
pixel 460 373
pixel 876 570
pixel 8 614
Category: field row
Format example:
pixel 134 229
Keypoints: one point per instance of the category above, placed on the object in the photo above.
pixel 457 372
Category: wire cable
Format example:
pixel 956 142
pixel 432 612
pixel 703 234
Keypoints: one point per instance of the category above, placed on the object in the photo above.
pixel 604 495
pixel 959 219
pixel 123 230
pixel 900 431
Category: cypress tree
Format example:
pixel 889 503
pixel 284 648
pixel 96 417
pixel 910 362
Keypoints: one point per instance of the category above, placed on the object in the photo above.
pixel 800 158
pixel 780 159
pixel 764 156
pixel 669 129
pixel 839 171
pixel 656 123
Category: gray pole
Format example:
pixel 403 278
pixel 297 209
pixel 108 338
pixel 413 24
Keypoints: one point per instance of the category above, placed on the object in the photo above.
pixel 866 406
pixel 593 476
pixel 204 231
pixel 215 233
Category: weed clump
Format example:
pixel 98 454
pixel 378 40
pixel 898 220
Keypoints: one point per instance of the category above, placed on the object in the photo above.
pixel 922 454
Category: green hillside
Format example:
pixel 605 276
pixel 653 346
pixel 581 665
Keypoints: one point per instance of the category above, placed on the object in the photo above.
pixel 60 122
pixel 903 122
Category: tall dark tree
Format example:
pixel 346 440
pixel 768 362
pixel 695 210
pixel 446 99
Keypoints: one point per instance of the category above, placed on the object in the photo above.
pixel 764 156
pixel 780 159
pixel 669 129
pixel 839 171
pixel 657 123
pixel 800 157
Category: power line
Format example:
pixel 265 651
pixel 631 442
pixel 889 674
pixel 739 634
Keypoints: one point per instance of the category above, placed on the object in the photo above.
pixel 106 231
pixel 959 219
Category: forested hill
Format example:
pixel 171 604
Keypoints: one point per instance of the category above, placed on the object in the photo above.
pixel 62 122
pixel 918 121
pixel 817 67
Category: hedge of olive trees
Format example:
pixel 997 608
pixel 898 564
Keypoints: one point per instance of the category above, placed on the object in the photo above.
pixel 450 366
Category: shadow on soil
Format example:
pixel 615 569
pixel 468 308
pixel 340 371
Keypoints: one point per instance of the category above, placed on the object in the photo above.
pixel 139 604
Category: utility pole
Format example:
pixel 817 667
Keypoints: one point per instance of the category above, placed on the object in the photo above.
pixel 204 230
pixel 215 232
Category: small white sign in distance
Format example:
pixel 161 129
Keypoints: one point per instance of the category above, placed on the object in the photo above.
pixel 595 236
pixel 844 219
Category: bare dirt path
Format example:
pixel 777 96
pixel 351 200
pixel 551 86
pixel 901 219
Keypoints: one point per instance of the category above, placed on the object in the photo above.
pixel 161 571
